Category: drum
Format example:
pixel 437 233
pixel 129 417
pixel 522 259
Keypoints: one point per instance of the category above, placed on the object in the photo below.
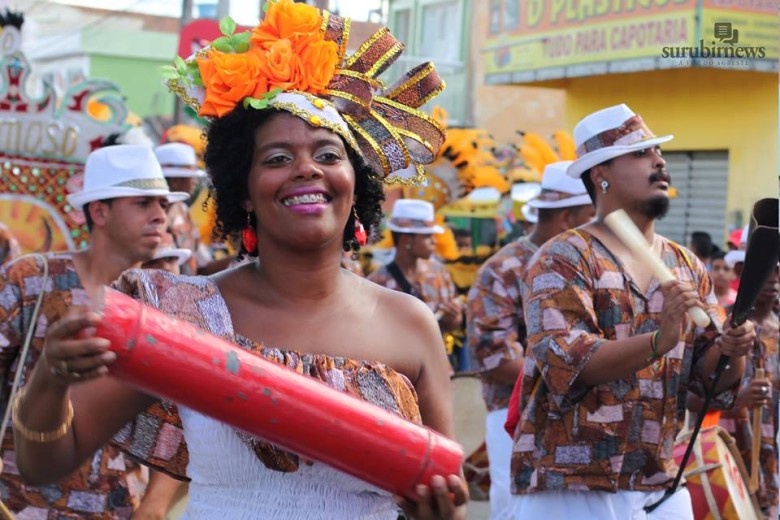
pixel 716 477
pixel 469 416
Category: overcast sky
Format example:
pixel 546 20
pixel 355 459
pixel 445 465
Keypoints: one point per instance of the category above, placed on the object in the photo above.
pixel 243 11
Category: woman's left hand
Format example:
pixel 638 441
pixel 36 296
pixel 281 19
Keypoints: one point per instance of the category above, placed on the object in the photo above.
pixel 444 499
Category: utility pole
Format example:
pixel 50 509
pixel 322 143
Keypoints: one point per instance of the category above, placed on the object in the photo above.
pixel 186 17
pixel 223 9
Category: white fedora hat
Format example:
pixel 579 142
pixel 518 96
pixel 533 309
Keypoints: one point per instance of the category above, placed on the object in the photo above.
pixel 732 258
pixel 123 170
pixel 413 216
pixel 608 133
pixel 525 191
pixel 559 190
pixel 182 255
pixel 178 160
pixel 530 214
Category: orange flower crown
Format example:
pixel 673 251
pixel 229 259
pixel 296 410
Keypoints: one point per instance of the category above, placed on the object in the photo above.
pixel 294 60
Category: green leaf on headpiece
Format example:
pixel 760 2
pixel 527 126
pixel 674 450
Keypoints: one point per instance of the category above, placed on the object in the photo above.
pixel 169 72
pixel 241 46
pixel 198 81
pixel 222 44
pixel 227 26
pixel 240 41
pixel 272 93
pixel 241 37
pixel 257 104
pixel 179 62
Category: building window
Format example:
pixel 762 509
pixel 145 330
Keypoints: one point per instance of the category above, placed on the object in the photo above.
pixel 701 180
pixel 511 15
pixel 495 17
pixel 402 26
pixel 441 31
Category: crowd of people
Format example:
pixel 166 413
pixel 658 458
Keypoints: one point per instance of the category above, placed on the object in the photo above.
pixel 588 362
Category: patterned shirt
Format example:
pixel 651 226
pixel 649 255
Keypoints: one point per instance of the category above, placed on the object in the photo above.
pixel 433 283
pixel 109 485
pixel 494 317
pixel 739 421
pixel 615 435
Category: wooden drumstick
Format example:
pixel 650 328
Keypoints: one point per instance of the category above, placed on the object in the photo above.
pixel 756 450
pixel 625 229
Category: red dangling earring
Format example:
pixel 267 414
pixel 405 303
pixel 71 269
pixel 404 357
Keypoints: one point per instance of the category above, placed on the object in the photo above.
pixel 249 237
pixel 360 232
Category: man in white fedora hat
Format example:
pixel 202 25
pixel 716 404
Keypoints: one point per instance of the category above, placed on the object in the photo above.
pixel 412 224
pixel 124 201
pixel 494 316
pixel 180 167
pixel 168 257
pixel 610 350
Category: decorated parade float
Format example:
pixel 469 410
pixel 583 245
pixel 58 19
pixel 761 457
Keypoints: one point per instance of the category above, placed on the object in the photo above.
pixel 44 142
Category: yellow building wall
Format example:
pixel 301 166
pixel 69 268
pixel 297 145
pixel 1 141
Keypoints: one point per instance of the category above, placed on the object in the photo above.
pixel 705 109
pixel 503 109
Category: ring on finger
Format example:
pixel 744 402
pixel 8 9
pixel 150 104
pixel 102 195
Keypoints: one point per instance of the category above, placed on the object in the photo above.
pixel 62 369
pixel 765 390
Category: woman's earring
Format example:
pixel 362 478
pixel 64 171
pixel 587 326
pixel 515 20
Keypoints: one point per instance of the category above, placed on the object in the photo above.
pixel 249 236
pixel 604 186
pixel 360 232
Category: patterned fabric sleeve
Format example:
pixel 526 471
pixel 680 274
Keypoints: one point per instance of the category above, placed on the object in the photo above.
pixel 156 436
pixel 704 338
pixel 17 302
pixel 563 331
pixel 452 290
pixel 493 319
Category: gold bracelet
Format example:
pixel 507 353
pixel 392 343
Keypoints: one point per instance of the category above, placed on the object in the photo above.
pixel 36 436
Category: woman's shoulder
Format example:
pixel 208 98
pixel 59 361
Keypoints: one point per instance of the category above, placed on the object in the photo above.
pixel 394 306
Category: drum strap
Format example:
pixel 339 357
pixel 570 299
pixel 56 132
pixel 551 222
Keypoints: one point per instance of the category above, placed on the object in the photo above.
pixel 400 279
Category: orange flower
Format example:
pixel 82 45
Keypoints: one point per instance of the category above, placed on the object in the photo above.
pixel 228 78
pixel 318 65
pixel 285 19
pixel 280 66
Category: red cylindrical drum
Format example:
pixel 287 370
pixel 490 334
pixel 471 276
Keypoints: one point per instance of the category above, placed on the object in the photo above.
pixel 175 360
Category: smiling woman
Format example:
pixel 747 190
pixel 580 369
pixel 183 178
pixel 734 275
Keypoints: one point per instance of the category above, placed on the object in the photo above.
pixel 238 149
pixel 295 162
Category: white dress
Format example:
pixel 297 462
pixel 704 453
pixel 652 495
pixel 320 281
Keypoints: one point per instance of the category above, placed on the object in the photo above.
pixel 230 483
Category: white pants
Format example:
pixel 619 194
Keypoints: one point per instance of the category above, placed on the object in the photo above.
pixel 499 449
pixel 601 505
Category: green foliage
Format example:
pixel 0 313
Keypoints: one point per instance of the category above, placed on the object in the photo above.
pixel 263 101
pixel 227 26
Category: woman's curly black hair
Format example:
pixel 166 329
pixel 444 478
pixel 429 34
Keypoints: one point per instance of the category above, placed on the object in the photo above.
pixel 228 158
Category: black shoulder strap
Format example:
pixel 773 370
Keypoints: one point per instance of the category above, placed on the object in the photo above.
pixel 400 279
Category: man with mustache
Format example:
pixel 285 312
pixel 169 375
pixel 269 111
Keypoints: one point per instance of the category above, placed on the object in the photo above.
pixel 610 350
pixel 124 200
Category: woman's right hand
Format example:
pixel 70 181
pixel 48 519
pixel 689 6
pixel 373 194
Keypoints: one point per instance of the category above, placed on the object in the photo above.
pixel 445 499
pixel 72 353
